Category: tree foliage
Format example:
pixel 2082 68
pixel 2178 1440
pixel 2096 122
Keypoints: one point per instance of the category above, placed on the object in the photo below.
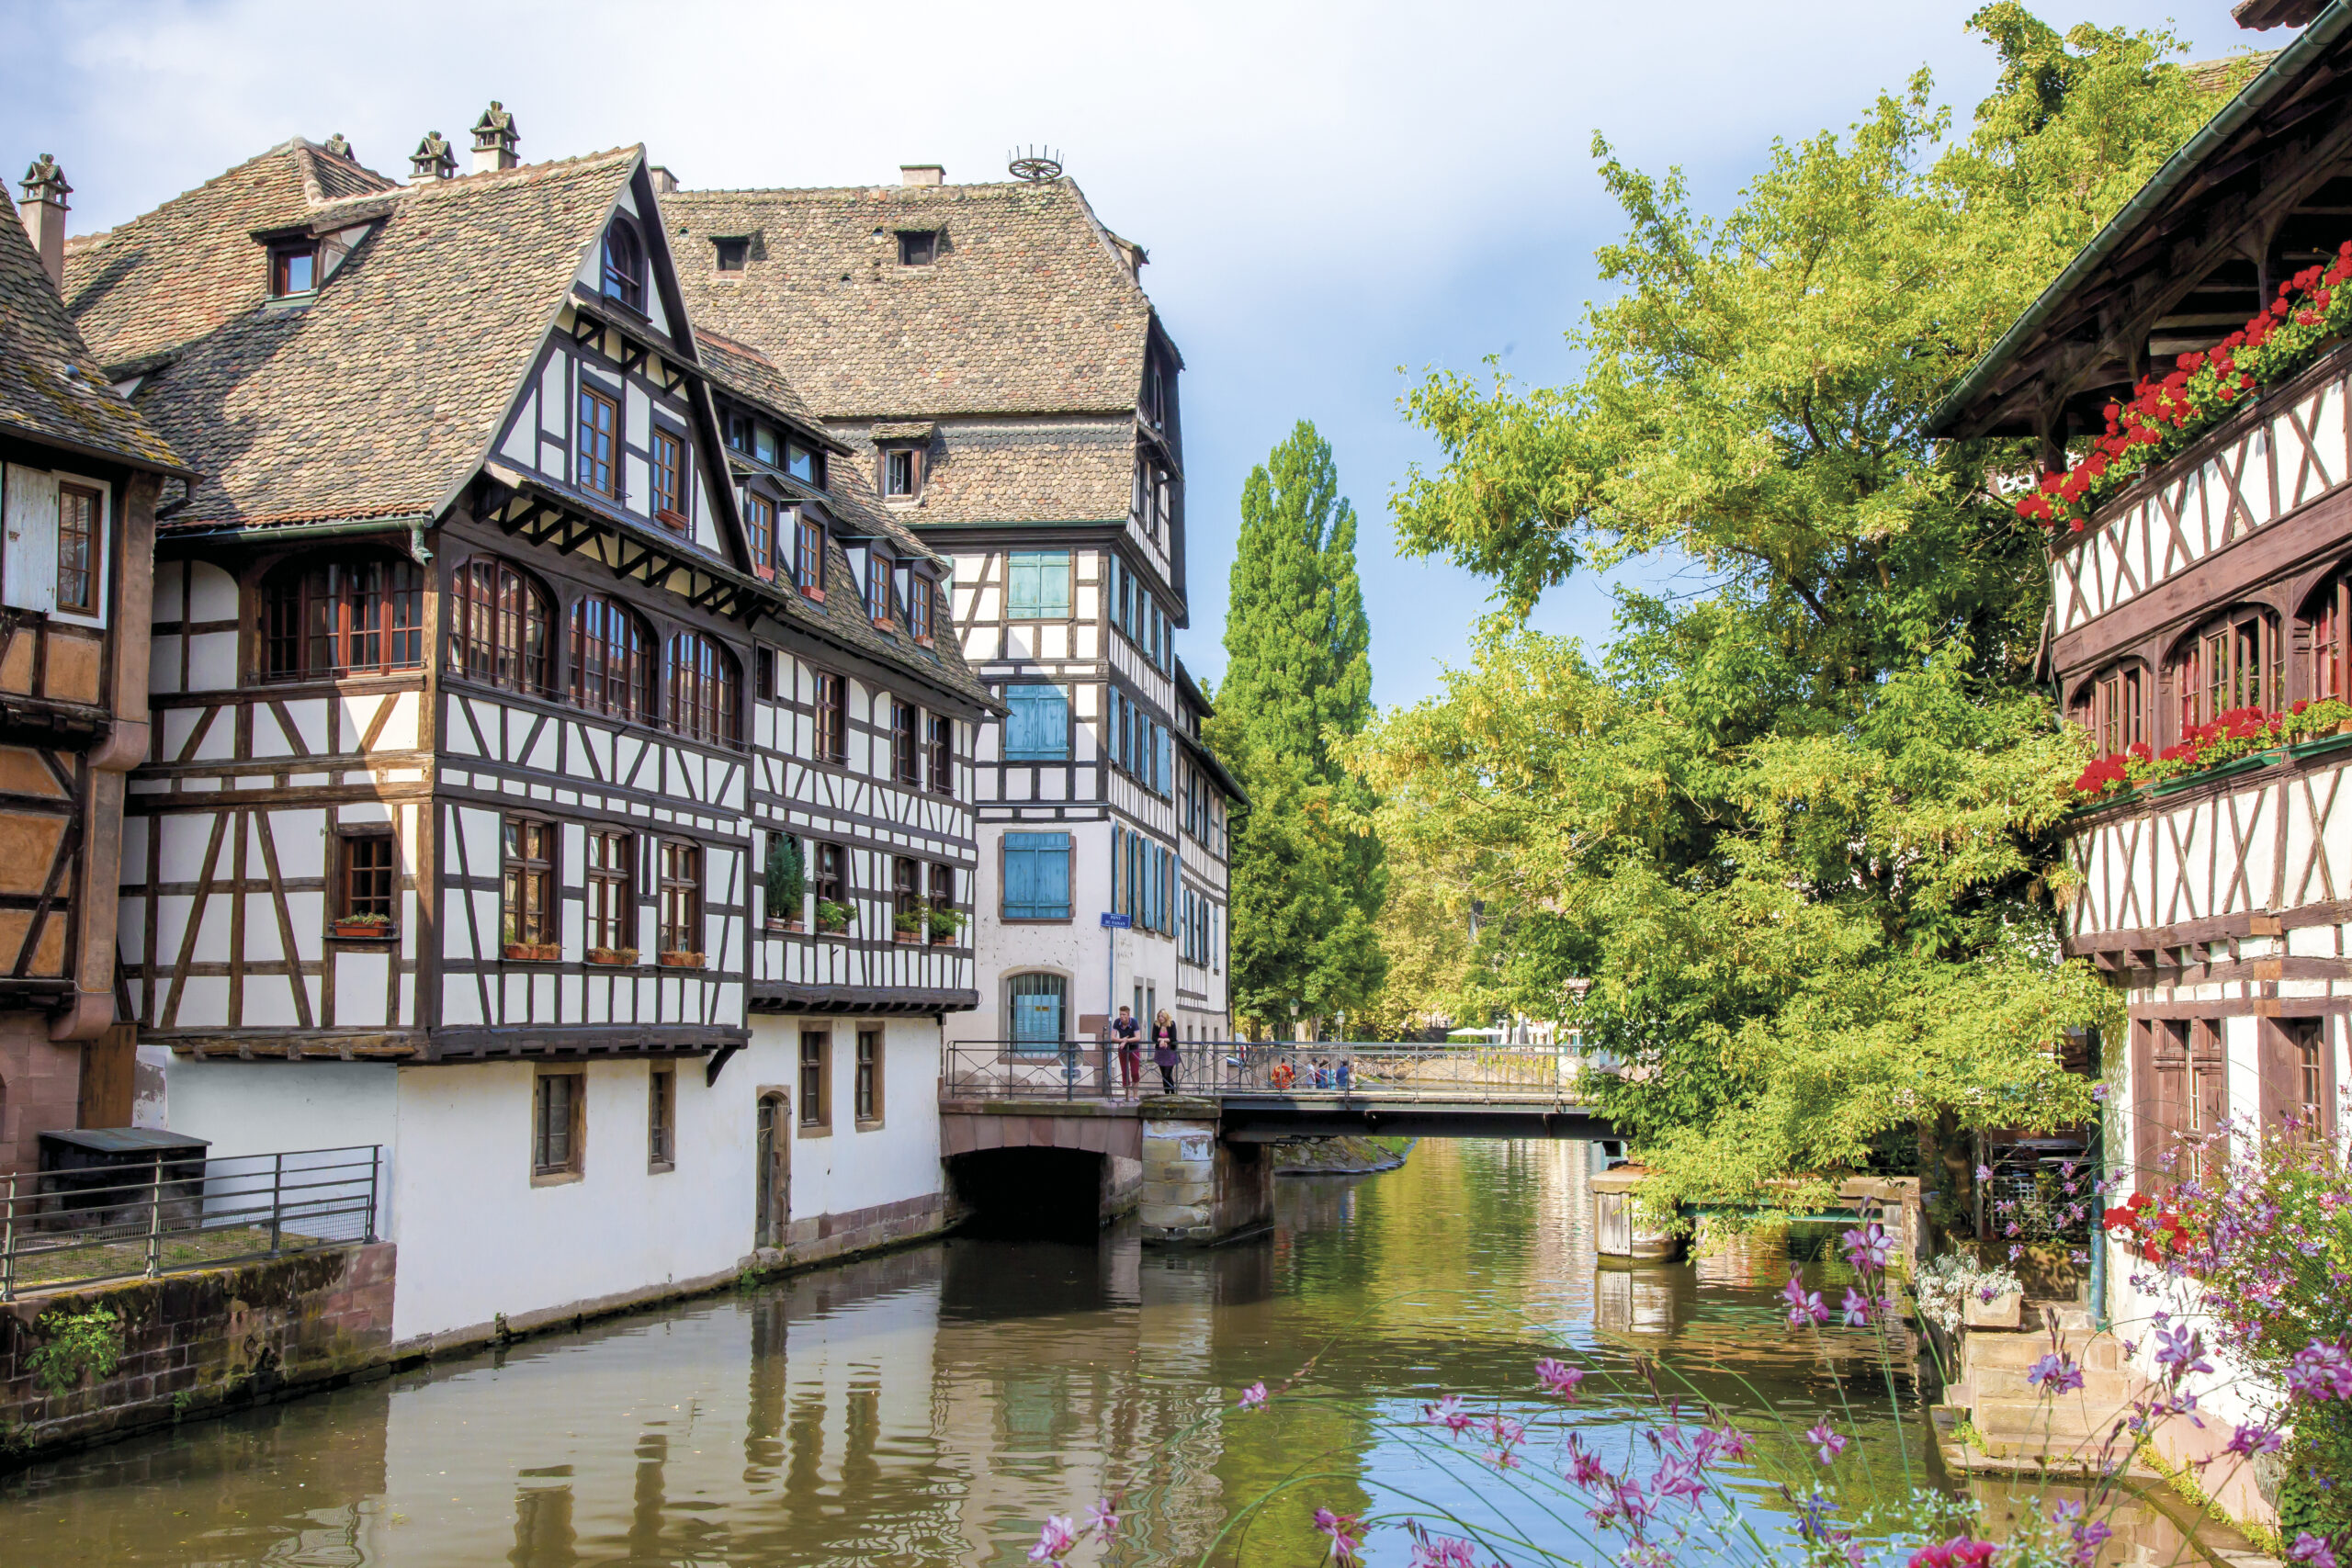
pixel 1799 829
pixel 1306 874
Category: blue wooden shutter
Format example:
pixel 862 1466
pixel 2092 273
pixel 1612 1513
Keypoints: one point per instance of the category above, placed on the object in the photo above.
pixel 1053 874
pixel 1020 878
pixel 1020 585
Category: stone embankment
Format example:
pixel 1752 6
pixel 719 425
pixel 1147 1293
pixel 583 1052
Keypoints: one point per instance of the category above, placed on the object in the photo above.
pixel 1350 1155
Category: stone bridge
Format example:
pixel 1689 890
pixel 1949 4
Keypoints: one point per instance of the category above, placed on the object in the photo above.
pixel 1194 1163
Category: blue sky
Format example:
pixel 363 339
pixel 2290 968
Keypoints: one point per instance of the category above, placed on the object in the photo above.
pixel 1328 192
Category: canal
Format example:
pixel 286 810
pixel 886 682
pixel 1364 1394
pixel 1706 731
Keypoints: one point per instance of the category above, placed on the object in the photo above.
pixel 932 1405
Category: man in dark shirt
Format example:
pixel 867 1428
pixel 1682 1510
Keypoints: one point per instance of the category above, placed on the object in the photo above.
pixel 1127 1034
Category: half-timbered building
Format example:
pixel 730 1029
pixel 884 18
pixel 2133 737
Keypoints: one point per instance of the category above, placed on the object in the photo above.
pixel 80 471
pixel 529 792
pixel 2218 899
pixel 1009 395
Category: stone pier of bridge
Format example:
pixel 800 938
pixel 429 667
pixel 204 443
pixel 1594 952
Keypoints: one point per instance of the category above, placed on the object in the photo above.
pixel 1166 1158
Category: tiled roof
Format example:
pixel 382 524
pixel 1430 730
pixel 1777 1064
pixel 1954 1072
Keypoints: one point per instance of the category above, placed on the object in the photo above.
pixel 744 370
pixel 1028 309
pixel 2231 71
pixel 1027 470
pixel 377 398
pixel 843 616
pixel 50 387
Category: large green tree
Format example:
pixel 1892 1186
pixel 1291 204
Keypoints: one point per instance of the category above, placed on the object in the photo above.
pixel 1798 828
pixel 1307 870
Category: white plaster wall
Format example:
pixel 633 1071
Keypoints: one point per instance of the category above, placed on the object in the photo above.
pixel 849 1169
pixel 267 1108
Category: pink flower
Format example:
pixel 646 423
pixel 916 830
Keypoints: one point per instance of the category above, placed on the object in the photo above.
pixel 2311 1550
pixel 1559 1377
pixel 1340 1529
pixel 1447 1413
pixel 1055 1541
pixel 1804 1307
pixel 1857 1309
pixel 2254 1441
pixel 1825 1443
pixel 1960 1551
pixel 1442 1551
pixel 1869 1246
pixel 2321 1371
pixel 1254 1396
pixel 2058 1372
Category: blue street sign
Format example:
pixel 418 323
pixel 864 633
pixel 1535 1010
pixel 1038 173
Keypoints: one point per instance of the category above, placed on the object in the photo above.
pixel 1117 922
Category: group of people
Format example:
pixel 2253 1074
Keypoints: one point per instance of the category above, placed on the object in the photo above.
pixel 1320 1073
pixel 1126 1035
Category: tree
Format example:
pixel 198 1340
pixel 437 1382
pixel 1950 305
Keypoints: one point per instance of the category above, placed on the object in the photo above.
pixel 1799 832
pixel 1307 871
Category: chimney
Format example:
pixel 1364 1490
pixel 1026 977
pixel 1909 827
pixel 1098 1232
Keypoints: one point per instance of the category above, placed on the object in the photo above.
pixel 923 173
pixel 340 145
pixel 433 160
pixel 495 139
pixel 664 182
pixel 44 215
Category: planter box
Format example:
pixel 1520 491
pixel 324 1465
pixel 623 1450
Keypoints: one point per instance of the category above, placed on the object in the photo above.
pixel 783 926
pixel 947 940
pixel 2001 1312
pixel 2226 770
pixel 613 957
pixel 840 929
pixel 2319 745
pixel 361 931
pixel 908 937
pixel 533 952
pixel 681 961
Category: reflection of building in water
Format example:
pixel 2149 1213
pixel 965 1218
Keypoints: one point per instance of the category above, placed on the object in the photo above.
pixel 1633 1298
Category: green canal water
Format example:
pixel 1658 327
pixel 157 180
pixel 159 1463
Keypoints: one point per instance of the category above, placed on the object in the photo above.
pixel 932 1405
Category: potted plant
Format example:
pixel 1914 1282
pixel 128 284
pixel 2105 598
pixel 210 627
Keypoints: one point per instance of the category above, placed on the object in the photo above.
pixel 533 952
pixel 787 881
pixel 616 957
pixel 834 918
pixel 364 928
pixel 944 924
pixel 680 960
pixel 907 926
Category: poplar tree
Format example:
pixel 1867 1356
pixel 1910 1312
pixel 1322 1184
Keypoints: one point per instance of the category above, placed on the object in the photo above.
pixel 1306 874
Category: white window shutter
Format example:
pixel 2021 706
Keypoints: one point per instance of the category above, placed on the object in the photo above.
pixel 28 564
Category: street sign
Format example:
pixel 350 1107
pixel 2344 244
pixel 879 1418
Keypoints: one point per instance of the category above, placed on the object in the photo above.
pixel 1117 922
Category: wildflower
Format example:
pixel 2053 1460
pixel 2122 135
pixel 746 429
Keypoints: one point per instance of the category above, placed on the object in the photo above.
pixel 1254 1396
pixel 1506 1435
pixel 2254 1440
pixel 1856 1308
pixel 2058 1371
pixel 1960 1551
pixel 2182 1350
pixel 1825 1443
pixel 2312 1551
pixel 1559 1377
pixel 1869 1246
pixel 1442 1551
pixel 1055 1541
pixel 1340 1529
pixel 2321 1371
pixel 2090 1536
pixel 1729 1443
pixel 1983 1173
pixel 1804 1307
pixel 1584 1466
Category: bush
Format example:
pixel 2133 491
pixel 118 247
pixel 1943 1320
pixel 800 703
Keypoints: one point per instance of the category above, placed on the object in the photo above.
pixel 73 1344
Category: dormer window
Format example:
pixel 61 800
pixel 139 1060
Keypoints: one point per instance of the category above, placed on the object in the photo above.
pixel 917 247
pixel 293 269
pixel 901 473
pixel 624 277
pixel 732 253
pixel 803 464
pixel 878 588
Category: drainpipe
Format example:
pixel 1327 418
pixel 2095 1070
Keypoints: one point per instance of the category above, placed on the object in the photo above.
pixel 2099 1176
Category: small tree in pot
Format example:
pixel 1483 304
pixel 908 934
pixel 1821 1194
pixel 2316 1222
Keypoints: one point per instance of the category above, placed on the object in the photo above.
pixel 788 880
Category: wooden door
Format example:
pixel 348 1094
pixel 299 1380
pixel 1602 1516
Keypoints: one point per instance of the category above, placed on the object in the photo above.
pixel 107 1064
pixel 773 1172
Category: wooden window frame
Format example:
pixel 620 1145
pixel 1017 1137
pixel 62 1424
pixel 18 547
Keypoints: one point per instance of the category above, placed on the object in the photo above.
pixel 814 1114
pixel 2296 1074
pixel 352 901
pixel 681 882
pixel 704 685
pixel 830 700
pixel 879 590
pixel 322 612
pixel 519 870
pixel 920 247
pixel 621 265
pixel 809 555
pixel 906 744
pixel 759 525
pixel 940 749
pixel 93 554
pixel 619 655
pixel 919 607
pixel 667 457
pixel 587 439
pixel 728 248
pixel 498 611
pixel 2212 673
pixel 763 672
pixel 281 270
pixel 610 880
pixel 865 1095
pixel 828 871
pixel 546 1169
pixel 660 1118
pixel 887 480
pixel 906 888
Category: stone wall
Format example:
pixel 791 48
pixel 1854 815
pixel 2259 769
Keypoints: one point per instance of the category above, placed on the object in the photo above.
pixel 41 1084
pixel 194 1342
pixel 1196 1188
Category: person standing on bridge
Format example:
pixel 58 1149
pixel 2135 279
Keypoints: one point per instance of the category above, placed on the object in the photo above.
pixel 1164 1054
pixel 1128 1034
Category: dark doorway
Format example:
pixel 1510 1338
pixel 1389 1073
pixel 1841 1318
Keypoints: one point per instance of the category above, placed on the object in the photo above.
pixel 1030 1194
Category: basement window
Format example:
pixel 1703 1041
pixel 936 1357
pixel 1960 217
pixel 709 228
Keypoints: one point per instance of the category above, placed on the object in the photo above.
pixel 732 253
pixel 917 247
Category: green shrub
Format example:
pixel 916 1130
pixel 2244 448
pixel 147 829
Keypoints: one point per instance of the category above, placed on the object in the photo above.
pixel 73 1344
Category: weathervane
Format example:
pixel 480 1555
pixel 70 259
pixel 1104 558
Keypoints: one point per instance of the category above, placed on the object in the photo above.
pixel 1033 163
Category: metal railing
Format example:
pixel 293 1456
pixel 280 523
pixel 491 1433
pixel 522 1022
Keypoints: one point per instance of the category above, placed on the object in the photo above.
pixel 78 1227
pixel 1326 1070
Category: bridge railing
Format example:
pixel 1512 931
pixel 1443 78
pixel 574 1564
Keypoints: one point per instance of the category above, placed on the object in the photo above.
pixel 1325 1070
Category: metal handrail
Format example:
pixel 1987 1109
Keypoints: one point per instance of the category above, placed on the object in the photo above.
pixel 58 1229
pixel 1323 1071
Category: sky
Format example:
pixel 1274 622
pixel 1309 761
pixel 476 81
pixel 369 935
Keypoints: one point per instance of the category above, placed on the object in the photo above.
pixel 1337 198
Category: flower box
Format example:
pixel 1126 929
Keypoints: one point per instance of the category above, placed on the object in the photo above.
pixel 681 961
pixel 668 519
pixel 613 957
pixel 363 931
pixel 2004 1310
pixel 943 939
pixel 780 926
pixel 2319 745
pixel 533 952
pixel 910 937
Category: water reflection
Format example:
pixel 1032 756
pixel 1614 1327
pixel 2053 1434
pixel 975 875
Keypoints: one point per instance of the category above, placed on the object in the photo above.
pixel 931 1406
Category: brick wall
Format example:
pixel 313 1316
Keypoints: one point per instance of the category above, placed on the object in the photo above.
pixel 41 1087
pixel 197 1341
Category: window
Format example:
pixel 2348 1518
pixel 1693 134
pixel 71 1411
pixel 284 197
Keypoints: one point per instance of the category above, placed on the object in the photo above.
pixel 815 1047
pixel 702 690
pixel 877 587
pixel 1037 876
pixel 499 632
pixel 595 448
pixel 739 431
pixel 350 616
pixel 612 659
pixel 2234 662
pixel 901 473
pixel 917 247
pixel 832 717
pixel 809 557
pixel 943 754
pixel 78 512
pixel 557 1108
pixel 527 911
pixel 804 463
pixel 942 889
pixel 624 275
pixel 293 269
pixel 906 750
pixel 661 1120
pixel 732 252
pixel 763 444
pixel 680 896
pixel 1038 1004
pixel 669 479
pixel 758 521
pixel 2294 1076
pixel 2327 615
pixel 763 668
pixel 2113 707
pixel 905 888
pixel 369 879
pixel 1155 395
pixel 1037 727
pixel 919 606
pixel 869 1075
pixel 1037 584
pixel 830 878
pixel 612 891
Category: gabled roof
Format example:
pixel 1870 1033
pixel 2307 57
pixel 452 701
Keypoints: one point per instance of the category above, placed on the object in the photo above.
pixel 1031 307
pixel 51 390
pixel 380 396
